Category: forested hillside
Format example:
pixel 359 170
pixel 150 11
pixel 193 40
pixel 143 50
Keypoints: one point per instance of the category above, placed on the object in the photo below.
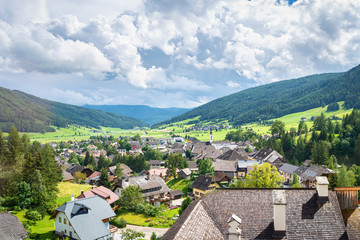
pixel 278 99
pixel 147 114
pixel 32 114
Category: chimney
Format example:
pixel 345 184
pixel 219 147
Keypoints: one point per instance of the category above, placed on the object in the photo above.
pixel 322 188
pixel 279 202
pixel 234 230
pixel 93 186
pixel 82 191
pixel 72 198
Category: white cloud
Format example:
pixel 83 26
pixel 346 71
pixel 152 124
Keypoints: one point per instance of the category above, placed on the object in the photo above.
pixel 232 84
pixel 261 41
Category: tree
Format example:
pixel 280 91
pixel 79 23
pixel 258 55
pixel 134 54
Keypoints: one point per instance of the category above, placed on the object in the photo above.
pixel 130 234
pixel 39 192
pixel 87 158
pixel 295 182
pixel 104 179
pixel 154 237
pixel 189 154
pixel 73 159
pixel 119 171
pixel 206 166
pixel 174 162
pixel 92 161
pixel 278 127
pixel 345 178
pixel 79 177
pixel 357 151
pixel 319 153
pixel 103 162
pixel 331 163
pixel 264 176
pixel 130 197
pixel 23 197
pixel 184 205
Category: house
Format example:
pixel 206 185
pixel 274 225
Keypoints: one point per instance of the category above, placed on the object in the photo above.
pixel 245 166
pixel 307 175
pixel 11 228
pixel 221 177
pixel 313 118
pixel 178 139
pixel 155 164
pixel 126 172
pixel 203 185
pixel 184 173
pixel 228 167
pixel 270 156
pixel 193 166
pixel 304 119
pixel 176 194
pixel 262 214
pixel 67 177
pixel 102 192
pixel 86 218
pixel 93 178
pixel 287 171
pixel 82 169
pixel 161 172
pixel 154 189
pixel 233 155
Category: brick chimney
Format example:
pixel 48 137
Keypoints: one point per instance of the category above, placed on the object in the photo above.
pixel 279 204
pixel 72 198
pixel 234 230
pixel 322 188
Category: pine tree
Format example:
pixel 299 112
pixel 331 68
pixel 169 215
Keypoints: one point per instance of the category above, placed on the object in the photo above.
pixel 295 182
pixel 87 158
pixel 92 162
pixel 104 178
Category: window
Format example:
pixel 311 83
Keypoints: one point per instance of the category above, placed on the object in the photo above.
pixel 70 233
pixel 59 219
pixel 64 220
pixel 65 231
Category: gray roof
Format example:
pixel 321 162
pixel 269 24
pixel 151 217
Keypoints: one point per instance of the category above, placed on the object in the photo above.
pixel 10 227
pixel 145 182
pixel 88 225
pixel 288 168
pixel 186 171
pixel 225 166
pixel 154 162
pixel 246 163
pixel 208 217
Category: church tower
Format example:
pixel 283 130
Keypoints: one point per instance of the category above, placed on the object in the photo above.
pixel 211 136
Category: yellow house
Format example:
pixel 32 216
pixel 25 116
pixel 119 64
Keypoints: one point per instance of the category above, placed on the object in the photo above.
pixel 203 185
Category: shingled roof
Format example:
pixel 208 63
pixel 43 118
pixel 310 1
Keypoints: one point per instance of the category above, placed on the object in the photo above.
pixel 233 155
pixel 207 218
pixel 202 182
pixel 10 227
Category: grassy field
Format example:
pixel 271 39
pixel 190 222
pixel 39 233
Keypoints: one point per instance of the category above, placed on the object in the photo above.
pixel 179 128
pixel 68 189
pixel 178 184
pixel 161 221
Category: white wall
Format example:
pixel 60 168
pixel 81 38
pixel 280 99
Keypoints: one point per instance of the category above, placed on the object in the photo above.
pixel 62 227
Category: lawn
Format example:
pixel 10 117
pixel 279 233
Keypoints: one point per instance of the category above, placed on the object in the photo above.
pixel 44 228
pixel 67 189
pixel 178 184
pixel 164 220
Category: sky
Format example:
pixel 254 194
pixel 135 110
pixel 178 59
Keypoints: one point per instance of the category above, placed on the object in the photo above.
pixel 170 53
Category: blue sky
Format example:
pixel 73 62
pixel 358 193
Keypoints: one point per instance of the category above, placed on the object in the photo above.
pixel 177 53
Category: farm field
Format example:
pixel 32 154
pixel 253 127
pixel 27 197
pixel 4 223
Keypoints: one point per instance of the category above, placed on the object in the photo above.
pixel 179 128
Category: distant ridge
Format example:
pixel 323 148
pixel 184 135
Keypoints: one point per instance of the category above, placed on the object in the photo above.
pixel 33 114
pixel 280 98
pixel 145 113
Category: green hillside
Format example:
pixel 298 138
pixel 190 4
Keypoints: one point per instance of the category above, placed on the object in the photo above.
pixel 281 98
pixel 33 114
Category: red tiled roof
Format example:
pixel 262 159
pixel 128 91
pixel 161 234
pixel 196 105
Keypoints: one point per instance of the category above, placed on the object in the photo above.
pixel 102 192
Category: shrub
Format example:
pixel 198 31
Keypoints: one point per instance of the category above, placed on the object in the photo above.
pixel 151 210
pixel 139 208
pixel 333 107
pixel 33 215
pixel 119 222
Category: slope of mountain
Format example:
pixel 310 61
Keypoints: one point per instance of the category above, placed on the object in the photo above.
pixel 278 99
pixel 33 114
pixel 147 114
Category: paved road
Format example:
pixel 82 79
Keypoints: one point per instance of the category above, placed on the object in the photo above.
pixel 147 230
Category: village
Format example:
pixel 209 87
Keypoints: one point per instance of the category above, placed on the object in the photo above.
pixel 172 172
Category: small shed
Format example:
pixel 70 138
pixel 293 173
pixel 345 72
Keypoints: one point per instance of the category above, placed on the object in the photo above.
pixel 184 173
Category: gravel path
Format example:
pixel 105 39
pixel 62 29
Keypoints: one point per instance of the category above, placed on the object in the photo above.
pixel 147 230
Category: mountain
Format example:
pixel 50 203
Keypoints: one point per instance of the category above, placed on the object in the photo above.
pixel 280 98
pixel 33 114
pixel 147 114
